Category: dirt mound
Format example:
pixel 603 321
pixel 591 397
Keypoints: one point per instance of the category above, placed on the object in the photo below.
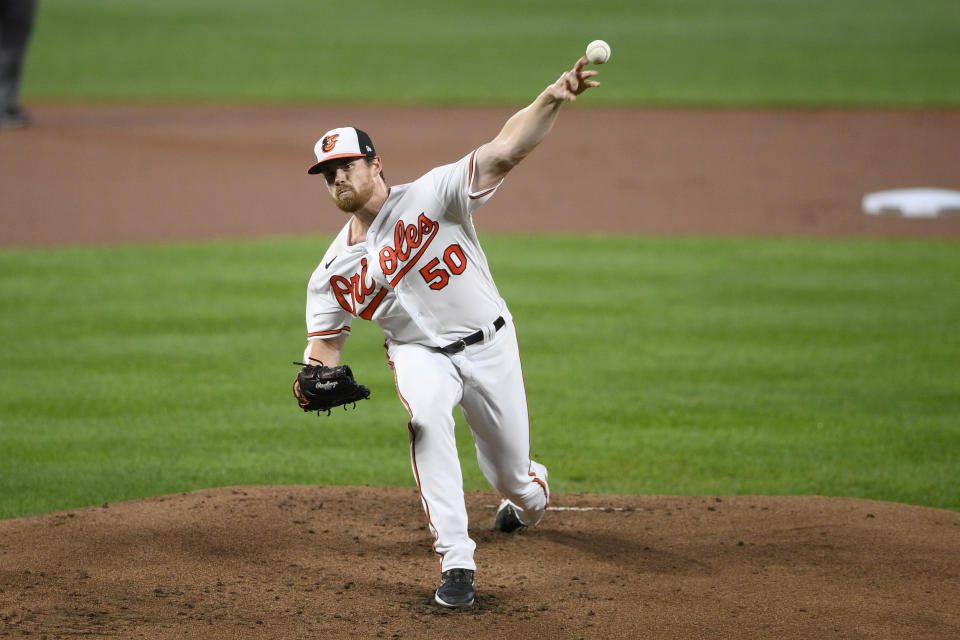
pixel 334 562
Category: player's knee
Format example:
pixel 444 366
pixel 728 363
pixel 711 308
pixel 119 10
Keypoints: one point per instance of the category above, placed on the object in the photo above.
pixel 430 423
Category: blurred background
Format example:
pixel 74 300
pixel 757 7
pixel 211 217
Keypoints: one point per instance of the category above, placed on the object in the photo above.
pixel 686 52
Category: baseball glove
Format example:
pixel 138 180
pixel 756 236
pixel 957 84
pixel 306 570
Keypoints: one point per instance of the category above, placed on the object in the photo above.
pixel 321 388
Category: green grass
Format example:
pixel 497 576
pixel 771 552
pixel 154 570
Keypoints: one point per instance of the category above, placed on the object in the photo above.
pixel 654 366
pixel 678 52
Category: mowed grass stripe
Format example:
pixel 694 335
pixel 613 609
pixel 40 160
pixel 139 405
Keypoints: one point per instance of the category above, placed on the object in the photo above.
pixel 653 366
pixel 691 52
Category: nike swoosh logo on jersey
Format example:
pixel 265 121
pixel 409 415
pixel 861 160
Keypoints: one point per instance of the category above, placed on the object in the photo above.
pixel 327 265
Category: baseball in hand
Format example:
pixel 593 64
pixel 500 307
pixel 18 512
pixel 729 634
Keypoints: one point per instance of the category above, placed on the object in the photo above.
pixel 598 52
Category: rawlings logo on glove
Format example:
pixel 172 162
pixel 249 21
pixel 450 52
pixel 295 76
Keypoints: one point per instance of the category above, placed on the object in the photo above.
pixel 321 388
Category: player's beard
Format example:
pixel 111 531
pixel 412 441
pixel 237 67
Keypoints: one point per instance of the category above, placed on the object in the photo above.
pixel 353 198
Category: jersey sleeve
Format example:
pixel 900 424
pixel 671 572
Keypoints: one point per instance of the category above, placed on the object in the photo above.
pixel 453 184
pixel 325 317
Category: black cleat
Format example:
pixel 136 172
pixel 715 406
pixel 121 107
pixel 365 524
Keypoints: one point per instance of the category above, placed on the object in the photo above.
pixel 457 589
pixel 507 518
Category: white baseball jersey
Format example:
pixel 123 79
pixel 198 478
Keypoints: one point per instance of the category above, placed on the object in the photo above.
pixel 421 274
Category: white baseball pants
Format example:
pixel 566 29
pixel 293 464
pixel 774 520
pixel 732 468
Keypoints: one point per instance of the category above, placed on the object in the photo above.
pixel 486 380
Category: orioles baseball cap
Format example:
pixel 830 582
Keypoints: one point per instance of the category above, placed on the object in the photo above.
pixel 345 142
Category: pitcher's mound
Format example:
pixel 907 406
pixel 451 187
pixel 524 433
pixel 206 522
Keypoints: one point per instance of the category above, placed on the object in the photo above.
pixel 350 562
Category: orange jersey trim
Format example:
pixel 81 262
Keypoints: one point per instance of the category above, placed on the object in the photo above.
pixel 473 158
pixel 482 195
pixel 330 333
pixel 473 164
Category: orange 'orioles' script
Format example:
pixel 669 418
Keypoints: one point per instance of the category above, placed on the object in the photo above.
pixel 409 243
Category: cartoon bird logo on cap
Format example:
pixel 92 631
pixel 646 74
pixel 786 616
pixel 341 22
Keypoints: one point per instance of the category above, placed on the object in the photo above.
pixel 329 143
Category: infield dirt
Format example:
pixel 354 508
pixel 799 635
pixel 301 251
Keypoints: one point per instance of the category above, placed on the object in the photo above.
pixel 334 562
pixel 153 173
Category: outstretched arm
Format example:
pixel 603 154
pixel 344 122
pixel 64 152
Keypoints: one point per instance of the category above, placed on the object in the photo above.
pixel 528 127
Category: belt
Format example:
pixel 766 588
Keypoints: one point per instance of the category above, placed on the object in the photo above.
pixel 473 338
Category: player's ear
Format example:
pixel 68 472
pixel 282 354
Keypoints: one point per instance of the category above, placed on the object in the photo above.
pixel 377 164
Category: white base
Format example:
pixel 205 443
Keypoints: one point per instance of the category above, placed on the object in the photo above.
pixel 913 203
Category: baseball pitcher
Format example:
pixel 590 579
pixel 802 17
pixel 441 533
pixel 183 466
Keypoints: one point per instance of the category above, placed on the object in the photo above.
pixel 409 259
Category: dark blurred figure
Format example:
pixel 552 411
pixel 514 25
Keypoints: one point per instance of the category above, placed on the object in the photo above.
pixel 16 25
